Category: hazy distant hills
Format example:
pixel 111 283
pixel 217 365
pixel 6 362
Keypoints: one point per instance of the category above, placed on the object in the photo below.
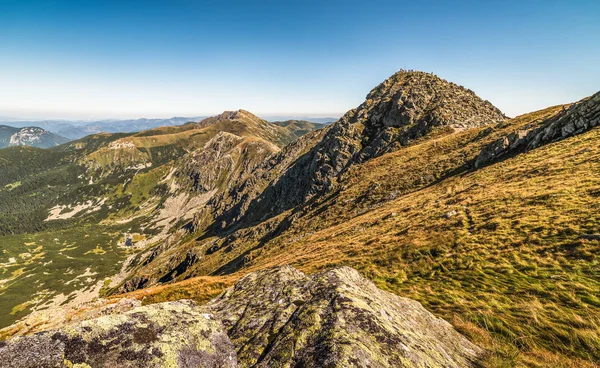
pixel 74 129
pixel 29 136
pixel 325 120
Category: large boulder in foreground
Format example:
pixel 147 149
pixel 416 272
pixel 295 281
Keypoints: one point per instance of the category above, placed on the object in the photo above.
pixel 174 334
pixel 283 318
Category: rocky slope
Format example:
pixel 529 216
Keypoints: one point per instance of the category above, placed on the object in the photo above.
pixel 28 136
pixel 273 318
pixel 405 107
pixel 576 119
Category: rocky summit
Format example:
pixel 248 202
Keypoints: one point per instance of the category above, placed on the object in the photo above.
pixel 274 318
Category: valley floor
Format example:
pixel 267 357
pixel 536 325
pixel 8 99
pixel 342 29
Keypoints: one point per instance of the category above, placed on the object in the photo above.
pixel 52 268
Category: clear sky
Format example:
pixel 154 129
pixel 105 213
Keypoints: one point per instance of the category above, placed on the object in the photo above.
pixel 103 58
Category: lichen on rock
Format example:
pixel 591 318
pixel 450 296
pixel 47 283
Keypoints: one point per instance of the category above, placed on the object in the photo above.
pixel 173 334
pixel 273 318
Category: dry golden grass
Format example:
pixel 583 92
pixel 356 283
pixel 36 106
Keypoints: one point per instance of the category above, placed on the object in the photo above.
pixel 200 289
pixel 498 248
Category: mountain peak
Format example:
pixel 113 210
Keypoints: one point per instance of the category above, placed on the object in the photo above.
pixel 417 98
pixel 227 116
pixel 235 115
pixel 405 107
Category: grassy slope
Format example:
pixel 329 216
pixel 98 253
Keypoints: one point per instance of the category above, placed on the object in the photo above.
pixel 496 251
pixel 160 145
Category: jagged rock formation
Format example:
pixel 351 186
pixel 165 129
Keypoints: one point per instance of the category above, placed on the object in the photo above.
pixel 174 334
pixel 273 318
pixel 574 120
pixel 281 317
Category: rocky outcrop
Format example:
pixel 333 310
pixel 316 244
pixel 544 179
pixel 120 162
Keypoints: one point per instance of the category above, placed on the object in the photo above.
pixel 175 334
pixel 576 119
pixel 281 317
pixel 273 318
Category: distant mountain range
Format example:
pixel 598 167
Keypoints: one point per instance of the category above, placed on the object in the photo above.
pixel 325 120
pixel 74 129
pixel 29 136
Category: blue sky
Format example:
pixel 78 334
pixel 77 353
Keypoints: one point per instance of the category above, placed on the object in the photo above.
pixel 91 59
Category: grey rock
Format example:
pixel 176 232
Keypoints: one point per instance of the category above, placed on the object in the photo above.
pixel 174 334
pixel 283 318
pixel 273 318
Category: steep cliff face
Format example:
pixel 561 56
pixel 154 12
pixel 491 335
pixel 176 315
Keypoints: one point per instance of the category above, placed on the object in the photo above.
pixel 273 318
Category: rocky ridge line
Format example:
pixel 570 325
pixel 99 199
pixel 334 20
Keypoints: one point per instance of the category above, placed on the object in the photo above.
pixel 578 118
pixel 407 106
